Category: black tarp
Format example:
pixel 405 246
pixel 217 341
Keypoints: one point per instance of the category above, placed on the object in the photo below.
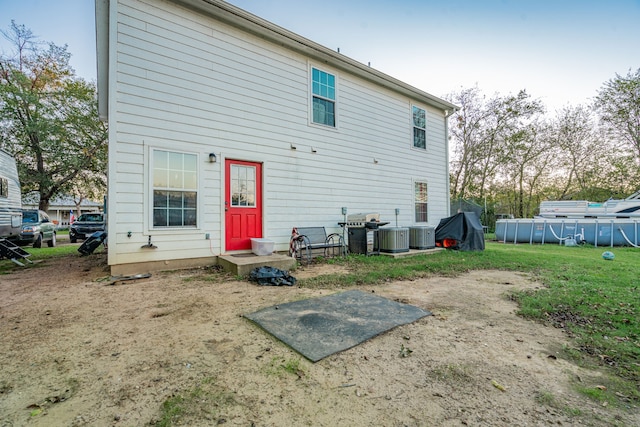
pixel 461 231
pixel 271 276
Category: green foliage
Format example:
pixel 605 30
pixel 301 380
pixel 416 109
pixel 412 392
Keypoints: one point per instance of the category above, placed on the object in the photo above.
pixel 509 153
pixel 49 120
pixel 618 103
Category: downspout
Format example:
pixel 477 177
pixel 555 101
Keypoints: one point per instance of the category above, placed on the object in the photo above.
pixel 447 114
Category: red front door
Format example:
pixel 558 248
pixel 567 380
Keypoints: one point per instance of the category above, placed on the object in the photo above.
pixel 243 203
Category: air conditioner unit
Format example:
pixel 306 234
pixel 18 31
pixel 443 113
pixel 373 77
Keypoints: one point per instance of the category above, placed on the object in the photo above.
pixel 422 237
pixel 393 239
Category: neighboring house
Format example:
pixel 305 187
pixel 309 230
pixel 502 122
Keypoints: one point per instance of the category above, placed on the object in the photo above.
pixel 224 126
pixel 61 207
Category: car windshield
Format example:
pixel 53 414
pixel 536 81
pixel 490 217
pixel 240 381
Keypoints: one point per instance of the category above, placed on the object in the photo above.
pixel 91 217
pixel 29 217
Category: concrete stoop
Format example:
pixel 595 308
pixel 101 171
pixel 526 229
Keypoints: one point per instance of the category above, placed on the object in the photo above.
pixel 242 264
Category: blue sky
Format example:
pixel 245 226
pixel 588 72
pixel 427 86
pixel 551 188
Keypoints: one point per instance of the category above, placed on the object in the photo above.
pixel 560 51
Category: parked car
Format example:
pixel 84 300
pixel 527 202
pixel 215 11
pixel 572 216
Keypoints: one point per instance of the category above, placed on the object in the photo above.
pixel 36 228
pixel 86 225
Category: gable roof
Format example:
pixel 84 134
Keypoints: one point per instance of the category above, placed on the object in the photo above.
pixel 247 22
pixel 60 200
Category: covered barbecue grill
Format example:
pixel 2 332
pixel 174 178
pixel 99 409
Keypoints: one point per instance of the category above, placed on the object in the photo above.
pixel 362 229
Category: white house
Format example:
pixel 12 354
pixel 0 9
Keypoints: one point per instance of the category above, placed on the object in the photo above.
pixel 224 126
pixel 61 207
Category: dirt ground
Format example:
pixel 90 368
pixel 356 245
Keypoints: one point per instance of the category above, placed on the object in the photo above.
pixel 78 351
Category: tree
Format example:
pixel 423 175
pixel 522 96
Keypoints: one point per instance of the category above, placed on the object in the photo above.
pixel 467 135
pixel 487 137
pixel 618 103
pixel 49 119
pixel 580 152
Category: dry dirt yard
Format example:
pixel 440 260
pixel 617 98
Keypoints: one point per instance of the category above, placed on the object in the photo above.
pixel 78 351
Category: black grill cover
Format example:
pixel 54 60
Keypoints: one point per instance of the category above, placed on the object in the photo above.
pixel 462 231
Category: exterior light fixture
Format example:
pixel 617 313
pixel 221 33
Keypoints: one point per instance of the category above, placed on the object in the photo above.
pixel 212 158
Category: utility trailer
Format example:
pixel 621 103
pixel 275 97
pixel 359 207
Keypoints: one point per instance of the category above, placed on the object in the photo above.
pixel 10 198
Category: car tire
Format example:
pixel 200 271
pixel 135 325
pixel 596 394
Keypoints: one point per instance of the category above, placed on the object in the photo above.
pixel 38 242
pixel 52 243
pixel 72 239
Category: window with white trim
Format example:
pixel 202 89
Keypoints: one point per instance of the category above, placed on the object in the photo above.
pixel 419 128
pixel 420 201
pixel 175 189
pixel 323 87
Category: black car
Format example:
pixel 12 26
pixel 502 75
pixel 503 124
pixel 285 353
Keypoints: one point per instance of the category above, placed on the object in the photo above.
pixel 86 225
pixel 36 228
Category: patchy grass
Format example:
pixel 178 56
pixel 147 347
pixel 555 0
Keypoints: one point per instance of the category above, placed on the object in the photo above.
pixel 279 366
pixel 546 398
pixel 206 402
pixel 596 301
pixel 451 373
pixel 39 254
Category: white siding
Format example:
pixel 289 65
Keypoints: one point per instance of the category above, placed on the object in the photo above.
pixel 187 82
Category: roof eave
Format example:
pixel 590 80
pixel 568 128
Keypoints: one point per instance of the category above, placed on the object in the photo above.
pixel 241 19
pixel 102 56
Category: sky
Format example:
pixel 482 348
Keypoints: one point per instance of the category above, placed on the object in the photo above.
pixel 559 51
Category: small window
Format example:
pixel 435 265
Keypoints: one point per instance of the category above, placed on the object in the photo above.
pixel 419 128
pixel 4 187
pixel 243 186
pixel 421 202
pixel 174 189
pixel 324 97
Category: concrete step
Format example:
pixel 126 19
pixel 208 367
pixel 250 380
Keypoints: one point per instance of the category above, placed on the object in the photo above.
pixel 242 264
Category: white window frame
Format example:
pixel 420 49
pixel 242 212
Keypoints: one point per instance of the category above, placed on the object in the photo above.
pixel 255 189
pixel 416 182
pixel 313 95
pixel 415 126
pixel 151 188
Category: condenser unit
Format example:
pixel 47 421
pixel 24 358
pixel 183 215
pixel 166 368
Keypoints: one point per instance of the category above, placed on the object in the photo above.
pixel 393 239
pixel 422 237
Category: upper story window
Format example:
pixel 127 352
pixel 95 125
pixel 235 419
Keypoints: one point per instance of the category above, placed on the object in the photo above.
pixel 420 200
pixel 175 184
pixel 419 128
pixel 324 97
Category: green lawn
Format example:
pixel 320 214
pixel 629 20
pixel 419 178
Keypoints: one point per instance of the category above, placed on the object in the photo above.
pixel 596 301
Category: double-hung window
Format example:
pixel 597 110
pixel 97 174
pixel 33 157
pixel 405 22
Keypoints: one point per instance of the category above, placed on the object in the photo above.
pixel 420 197
pixel 323 87
pixel 175 189
pixel 419 128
